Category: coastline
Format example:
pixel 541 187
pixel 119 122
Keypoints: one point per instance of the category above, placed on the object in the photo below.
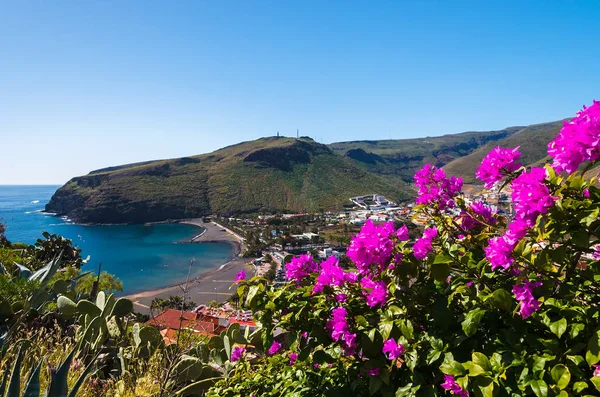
pixel 215 284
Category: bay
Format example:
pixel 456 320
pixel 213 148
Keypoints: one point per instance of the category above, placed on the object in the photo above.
pixel 144 257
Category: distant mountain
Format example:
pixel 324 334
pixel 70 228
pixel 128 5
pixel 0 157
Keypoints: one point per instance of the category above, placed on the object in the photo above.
pixel 533 142
pixel 281 174
pixel 399 158
pixel 268 174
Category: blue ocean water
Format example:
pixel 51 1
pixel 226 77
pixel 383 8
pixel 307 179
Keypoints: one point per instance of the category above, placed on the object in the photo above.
pixel 142 256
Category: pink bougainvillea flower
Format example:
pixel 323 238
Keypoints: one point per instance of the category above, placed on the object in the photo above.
pixel 402 233
pixel 586 193
pixel 596 369
pixel 524 294
pixel 392 349
pixel 435 188
pixel 339 331
pixel 237 353
pixel 498 253
pixel 372 246
pixel 293 358
pixel 530 195
pixel 331 274
pixel 481 212
pixel 241 276
pixel 454 388
pixel 300 267
pixel 275 347
pixel 578 140
pixel 375 291
pixel 423 246
pixel 497 164
pixel 341 297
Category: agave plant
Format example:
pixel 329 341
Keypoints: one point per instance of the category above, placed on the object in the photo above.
pixel 58 387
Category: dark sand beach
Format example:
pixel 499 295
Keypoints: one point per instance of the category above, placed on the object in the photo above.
pixel 215 284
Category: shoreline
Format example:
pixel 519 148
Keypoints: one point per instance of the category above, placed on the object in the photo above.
pixel 212 284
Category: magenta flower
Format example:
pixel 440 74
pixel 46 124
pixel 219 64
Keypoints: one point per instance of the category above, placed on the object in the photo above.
pixel 331 274
pixel 497 164
pixel 392 349
pixel 341 297
pixel 454 388
pixel 372 246
pixel 423 245
pixel 351 277
pixel 596 254
pixel 237 353
pixel 578 140
pixel 530 195
pixel 241 276
pixel 293 358
pixel 300 267
pixel 275 347
pixel 498 252
pixel 481 212
pixel 586 193
pixel 596 369
pixel 375 291
pixel 373 372
pixel 524 294
pixel 339 331
pixel 402 233
pixel 435 188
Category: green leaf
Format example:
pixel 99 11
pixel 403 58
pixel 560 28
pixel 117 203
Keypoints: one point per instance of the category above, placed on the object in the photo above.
pixel 561 376
pixel 374 384
pixel 481 360
pixel 385 327
pixel 453 368
pixel 251 293
pixel 501 299
pixel 407 329
pixel 581 238
pixel 440 271
pixel 442 258
pixel 539 387
pixel 579 386
pixel 592 355
pixel 558 327
pixel 472 320
pixel 485 385
pixel 14 386
pixel 596 381
pixel 474 369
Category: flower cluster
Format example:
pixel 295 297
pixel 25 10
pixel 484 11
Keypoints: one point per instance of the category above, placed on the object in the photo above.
pixel 423 245
pixel 578 140
pixel 392 349
pixel 435 188
pixel 530 197
pixel 454 388
pixel 237 353
pixel 373 245
pixel 524 294
pixel 498 163
pixel 339 331
pixel 275 347
pixel 482 212
pixel 331 274
pixel 300 267
pixel 376 291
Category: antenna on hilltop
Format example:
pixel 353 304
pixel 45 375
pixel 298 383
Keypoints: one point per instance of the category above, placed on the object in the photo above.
pixel 297 133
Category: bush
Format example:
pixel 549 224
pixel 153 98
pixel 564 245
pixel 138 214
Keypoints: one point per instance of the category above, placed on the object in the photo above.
pixel 480 304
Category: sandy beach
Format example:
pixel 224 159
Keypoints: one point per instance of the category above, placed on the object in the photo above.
pixel 215 284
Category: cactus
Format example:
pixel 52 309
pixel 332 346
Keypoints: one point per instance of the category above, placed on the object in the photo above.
pixel 66 307
pixel 187 369
pixel 122 307
pixel 86 307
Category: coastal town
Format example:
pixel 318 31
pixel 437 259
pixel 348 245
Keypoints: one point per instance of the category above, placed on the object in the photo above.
pixel 264 243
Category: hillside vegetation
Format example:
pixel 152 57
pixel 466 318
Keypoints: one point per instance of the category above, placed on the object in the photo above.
pixel 533 142
pixel 268 174
pixel 400 158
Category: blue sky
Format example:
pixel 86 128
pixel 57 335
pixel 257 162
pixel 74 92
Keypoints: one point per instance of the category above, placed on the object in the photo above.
pixel 84 85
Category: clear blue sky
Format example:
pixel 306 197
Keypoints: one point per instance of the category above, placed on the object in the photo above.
pixel 84 85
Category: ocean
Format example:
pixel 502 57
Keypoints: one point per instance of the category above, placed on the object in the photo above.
pixel 143 256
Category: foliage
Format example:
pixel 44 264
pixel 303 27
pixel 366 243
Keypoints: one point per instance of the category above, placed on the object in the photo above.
pixel 172 302
pixel 482 304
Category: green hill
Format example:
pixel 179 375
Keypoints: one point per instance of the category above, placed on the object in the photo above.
pixel 400 158
pixel 533 142
pixel 268 174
